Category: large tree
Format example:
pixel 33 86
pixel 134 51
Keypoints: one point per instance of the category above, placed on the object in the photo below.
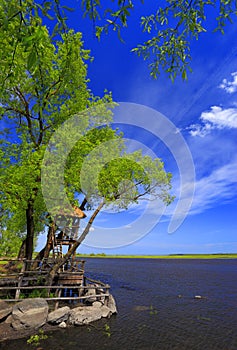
pixel 109 177
pixel 41 86
pixel 45 105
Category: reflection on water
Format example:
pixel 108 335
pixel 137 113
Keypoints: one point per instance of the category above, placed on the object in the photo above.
pixel 157 307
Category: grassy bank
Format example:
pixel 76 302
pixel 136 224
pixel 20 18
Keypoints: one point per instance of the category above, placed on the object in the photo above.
pixel 171 256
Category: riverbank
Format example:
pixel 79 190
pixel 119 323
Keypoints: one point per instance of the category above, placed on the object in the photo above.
pixel 29 316
pixel 7 333
pixel 171 256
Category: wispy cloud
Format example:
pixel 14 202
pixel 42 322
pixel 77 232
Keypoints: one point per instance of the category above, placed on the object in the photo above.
pixel 218 187
pixel 230 86
pixel 216 118
pixel 200 130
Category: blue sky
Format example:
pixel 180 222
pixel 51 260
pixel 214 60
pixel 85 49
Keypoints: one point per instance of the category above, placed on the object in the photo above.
pixel 204 112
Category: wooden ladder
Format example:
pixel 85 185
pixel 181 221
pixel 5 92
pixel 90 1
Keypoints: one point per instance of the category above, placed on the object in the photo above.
pixel 57 250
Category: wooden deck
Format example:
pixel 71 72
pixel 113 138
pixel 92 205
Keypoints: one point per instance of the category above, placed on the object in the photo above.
pixel 70 284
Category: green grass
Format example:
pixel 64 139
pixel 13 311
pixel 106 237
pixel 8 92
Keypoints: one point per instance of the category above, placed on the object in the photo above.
pixel 171 256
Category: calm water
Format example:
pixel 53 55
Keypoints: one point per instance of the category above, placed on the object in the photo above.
pixel 157 308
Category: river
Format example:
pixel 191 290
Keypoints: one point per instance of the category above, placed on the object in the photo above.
pixel 157 308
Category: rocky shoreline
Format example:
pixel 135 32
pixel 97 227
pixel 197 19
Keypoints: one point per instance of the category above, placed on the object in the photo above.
pixel 29 315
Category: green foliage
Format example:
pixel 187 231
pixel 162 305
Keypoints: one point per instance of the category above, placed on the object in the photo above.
pixel 107 330
pixel 9 243
pixel 38 293
pixel 42 84
pixel 124 180
pixel 153 310
pixel 36 338
pixel 170 28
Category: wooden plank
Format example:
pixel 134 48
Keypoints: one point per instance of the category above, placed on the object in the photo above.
pixel 53 287
pixel 64 298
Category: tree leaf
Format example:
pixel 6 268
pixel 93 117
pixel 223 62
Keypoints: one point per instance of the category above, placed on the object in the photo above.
pixel 31 61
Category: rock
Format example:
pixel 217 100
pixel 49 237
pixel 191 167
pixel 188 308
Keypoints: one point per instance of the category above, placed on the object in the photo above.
pixel 29 313
pixel 9 319
pixel 105 311
pixel 84 315
pixel 111 304
pixel 198 297
pixel 97 304
pixel 5 309
pixel 99 291
pixel 90 292
pixel 59 315
pixel 62 325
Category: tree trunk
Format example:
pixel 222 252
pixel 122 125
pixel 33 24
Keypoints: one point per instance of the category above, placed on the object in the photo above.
pixel 22 250
pixel 30 231
pixel 44 253
pixel 50 239
pixel 74 246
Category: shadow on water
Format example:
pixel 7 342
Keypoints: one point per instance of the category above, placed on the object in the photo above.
pixel 162 304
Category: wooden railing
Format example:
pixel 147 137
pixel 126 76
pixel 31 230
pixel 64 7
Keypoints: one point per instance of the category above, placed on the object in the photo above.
pixel 70 285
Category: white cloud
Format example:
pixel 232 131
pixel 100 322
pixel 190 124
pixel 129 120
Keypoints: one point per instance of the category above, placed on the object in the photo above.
pixel 221 118
pixel 229 86
pixel 200 130
pixel 216 118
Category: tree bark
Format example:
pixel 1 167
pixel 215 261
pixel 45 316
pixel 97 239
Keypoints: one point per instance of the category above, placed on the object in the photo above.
pixel 74 246
pixel 50 239
pixel 22 250
pixel 44 253
pixel 30 231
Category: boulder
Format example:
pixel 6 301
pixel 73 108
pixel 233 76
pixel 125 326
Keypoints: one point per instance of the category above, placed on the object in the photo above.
pixel 59 315
pixel 111 304
pixel 9 320
pixel 105 311
pixel 5 309
pixel 97 304
pixel 29 313
pixel 90 292
pixel 84 314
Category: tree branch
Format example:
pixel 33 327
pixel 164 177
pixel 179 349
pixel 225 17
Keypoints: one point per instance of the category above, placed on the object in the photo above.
pixel 26 114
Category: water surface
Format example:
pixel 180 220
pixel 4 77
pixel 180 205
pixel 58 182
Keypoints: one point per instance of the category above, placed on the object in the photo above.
pixel 157 308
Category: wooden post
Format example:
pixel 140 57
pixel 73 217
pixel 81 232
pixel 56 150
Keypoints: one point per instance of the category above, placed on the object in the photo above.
pixel 107 287
pixel 18 291
pixel 58 293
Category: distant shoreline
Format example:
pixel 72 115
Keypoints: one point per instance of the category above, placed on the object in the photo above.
pixel 171 256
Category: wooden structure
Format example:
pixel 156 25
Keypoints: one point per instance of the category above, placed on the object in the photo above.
pixel 68 223
pixel 68 286
pixel 70 277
